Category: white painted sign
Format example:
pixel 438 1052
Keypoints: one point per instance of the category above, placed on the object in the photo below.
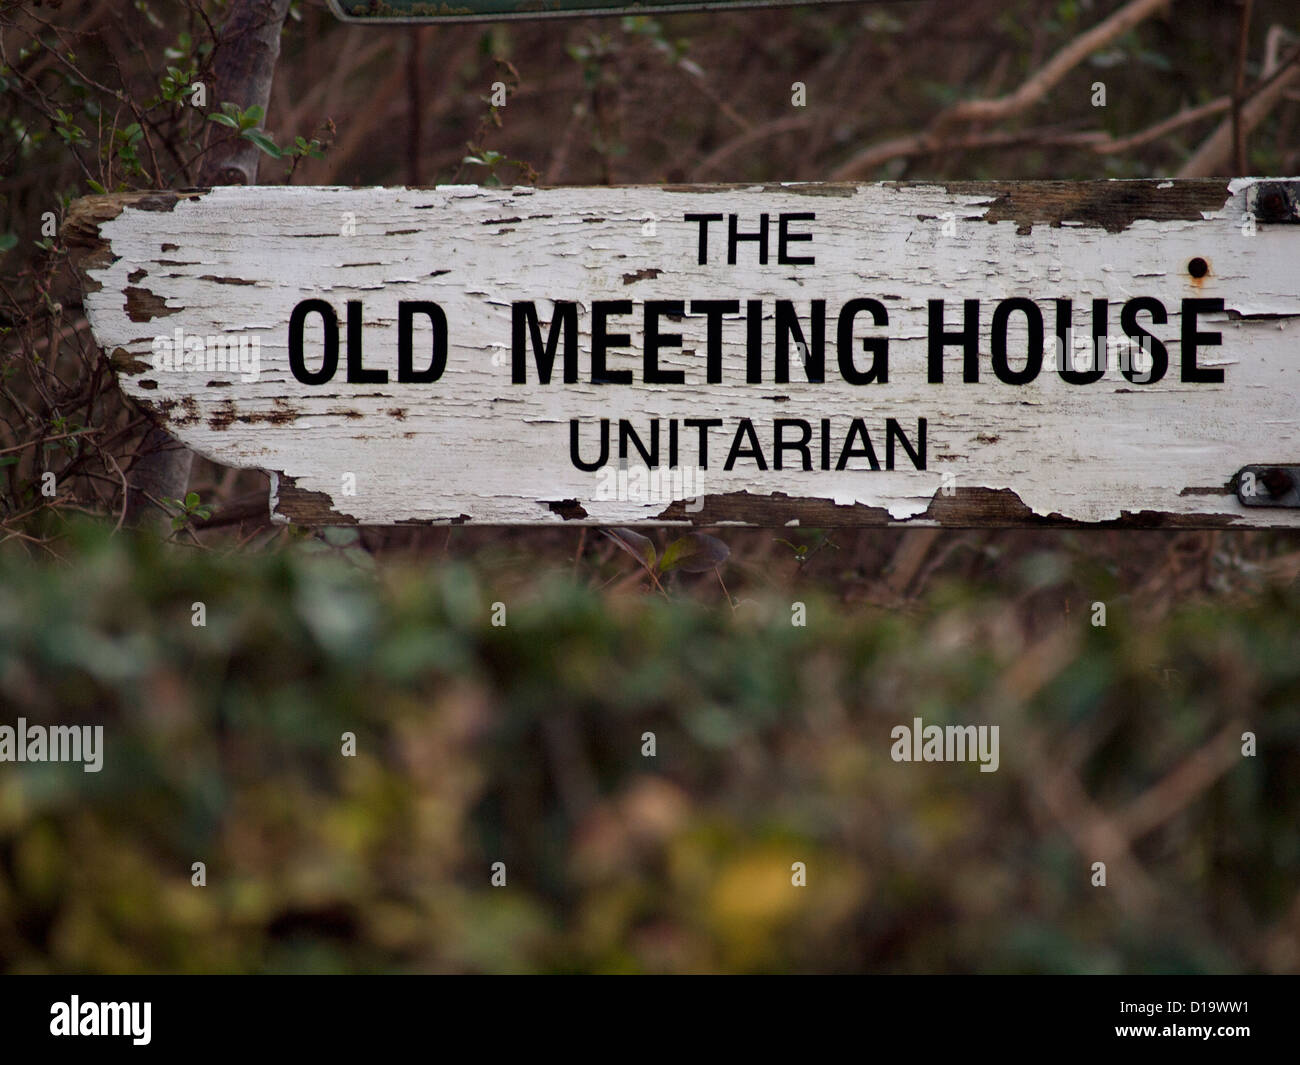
pixel 967 354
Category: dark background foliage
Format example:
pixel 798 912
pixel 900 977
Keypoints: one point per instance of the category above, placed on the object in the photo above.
pixel 522 743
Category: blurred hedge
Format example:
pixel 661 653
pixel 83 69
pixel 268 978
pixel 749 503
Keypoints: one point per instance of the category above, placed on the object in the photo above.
pixel 522 744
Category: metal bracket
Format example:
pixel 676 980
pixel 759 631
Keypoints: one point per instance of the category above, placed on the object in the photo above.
pixel 1275 201
pixel 1268 486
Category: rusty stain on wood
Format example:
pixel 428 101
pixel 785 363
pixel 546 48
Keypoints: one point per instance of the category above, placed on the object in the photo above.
pixel 1110 205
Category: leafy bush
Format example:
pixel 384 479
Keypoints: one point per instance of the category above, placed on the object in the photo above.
pixel 521 743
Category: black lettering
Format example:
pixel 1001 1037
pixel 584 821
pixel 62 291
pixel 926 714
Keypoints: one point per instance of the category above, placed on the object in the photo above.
pixel 525 324
pixel 787 327
pixel 1033 356
pixel 704 425
pixel 876 347
pixel 574 450
pixel 654 340
pixel 754 342
pixel 601 340
pixel 714 310
pixel 785 237
pixel 704 220
pixel 626 433
pixel 745 429
pixel 894 431
pixel 856 429
pixel 734 238
pixel 357 373
pixel 779 442
pixel 330 361
pixel 968 337
pixel 1159 355
pixel 1192 339
pixel 406 312
pixel 1065 342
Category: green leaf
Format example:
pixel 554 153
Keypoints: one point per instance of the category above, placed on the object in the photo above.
pixel 96 186
pixel 7 241
pixel 225 120
pixel 264 142
pixel 694 553
pixel 8 460
pixel 636 545
pixel 191 500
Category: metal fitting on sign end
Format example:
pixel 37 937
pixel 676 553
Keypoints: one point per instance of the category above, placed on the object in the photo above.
pixel 1268 486
pixel 1276 202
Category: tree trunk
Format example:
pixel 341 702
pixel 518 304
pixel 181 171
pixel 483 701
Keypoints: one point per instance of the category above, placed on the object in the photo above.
pixel 243 66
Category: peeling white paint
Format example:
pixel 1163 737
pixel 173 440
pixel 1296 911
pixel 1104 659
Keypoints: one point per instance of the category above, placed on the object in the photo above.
pixel 474 444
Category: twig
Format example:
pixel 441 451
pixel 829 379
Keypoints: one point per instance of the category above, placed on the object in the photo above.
pixel 928 142
pixel 582 543
pixel 1216 150
pixel 730 602
pixel 126 492
pixel 787 124
pixel 48 440
pixel 1042 81
pixel 1239 90
pixel 1183 785
pixel 1185 117
pixel 1030 92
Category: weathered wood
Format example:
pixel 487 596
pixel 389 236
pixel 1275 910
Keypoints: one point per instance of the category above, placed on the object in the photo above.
pixel 474 446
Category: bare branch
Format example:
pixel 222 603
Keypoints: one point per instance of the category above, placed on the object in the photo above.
pixel 1034 88
pixel 1215 153
pixel 928 142
pixel 1185 117
pixel 1042 81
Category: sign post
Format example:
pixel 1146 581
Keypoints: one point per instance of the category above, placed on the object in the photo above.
pixel 1024 353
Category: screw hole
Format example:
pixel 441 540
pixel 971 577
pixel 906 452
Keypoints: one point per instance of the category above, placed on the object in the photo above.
pixel 1198 267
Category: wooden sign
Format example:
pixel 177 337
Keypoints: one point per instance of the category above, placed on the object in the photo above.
pixel 1121 352
pixel 409 11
